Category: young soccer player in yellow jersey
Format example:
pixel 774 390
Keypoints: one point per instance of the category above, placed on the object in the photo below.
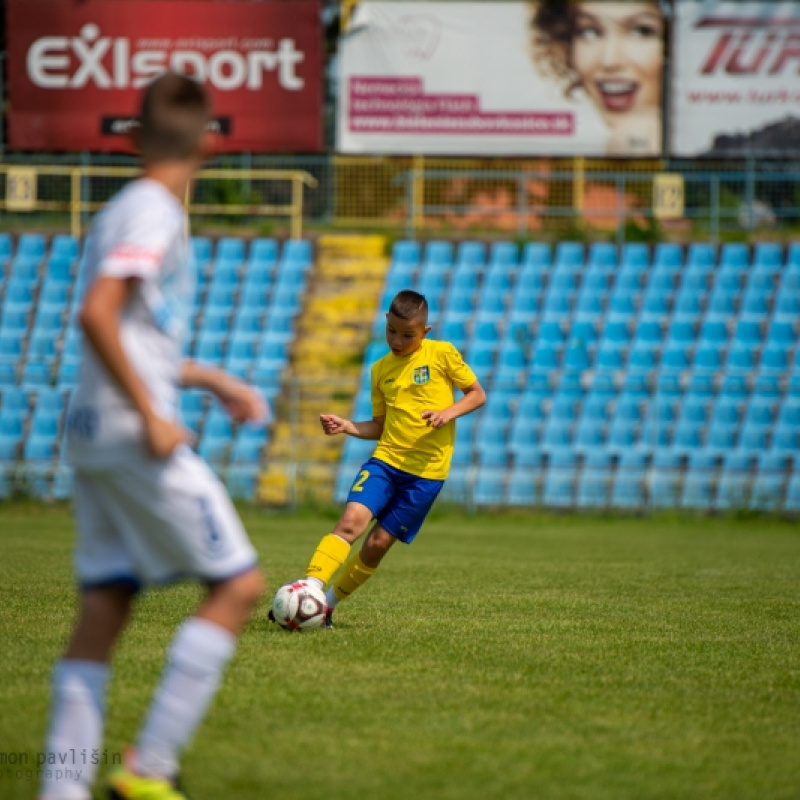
pixel 413 419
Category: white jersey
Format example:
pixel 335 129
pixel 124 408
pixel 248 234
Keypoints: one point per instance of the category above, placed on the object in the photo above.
pixel 142 233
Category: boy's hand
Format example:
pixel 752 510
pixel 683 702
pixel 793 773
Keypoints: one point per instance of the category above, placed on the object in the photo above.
pixel 332 424
pixel 162 436
pixel 243 402
pixel 436 419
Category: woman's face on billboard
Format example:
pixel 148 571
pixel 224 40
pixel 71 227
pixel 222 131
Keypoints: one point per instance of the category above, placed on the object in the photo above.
pixel 617 51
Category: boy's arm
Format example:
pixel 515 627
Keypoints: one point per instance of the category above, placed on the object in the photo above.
pixel 474 397
pixel 369 429
pixel 243 402
pixel 99 319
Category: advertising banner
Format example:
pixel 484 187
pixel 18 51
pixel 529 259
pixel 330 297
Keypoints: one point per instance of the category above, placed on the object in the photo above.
pixel 516 78
pixel 736 79
pixel 76 69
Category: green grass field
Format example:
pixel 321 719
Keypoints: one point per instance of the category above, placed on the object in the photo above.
pixel 499 657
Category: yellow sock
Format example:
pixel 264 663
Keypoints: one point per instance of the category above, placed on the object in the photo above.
pixel 330 554
pixel 355 574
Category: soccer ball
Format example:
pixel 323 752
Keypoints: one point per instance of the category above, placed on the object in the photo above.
pixel 299 605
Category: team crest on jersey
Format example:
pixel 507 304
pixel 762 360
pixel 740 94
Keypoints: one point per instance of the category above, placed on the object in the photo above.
pixel 422 375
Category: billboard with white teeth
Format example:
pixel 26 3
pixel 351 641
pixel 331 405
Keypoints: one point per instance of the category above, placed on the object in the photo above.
pixel 516 78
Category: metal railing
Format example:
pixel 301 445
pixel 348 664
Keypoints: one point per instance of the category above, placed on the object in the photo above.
pixel 74 189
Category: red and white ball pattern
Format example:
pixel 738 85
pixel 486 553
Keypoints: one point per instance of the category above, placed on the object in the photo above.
pixel 299 605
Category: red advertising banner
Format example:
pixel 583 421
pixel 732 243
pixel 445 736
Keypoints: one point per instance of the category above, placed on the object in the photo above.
pixel 76 69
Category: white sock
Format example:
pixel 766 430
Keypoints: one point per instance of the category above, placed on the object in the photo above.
pixel 76 729
pixel 331 599
pixel 197 658
pixel 316 582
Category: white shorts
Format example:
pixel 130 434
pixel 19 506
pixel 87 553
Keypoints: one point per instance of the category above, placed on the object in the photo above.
pixel 145 521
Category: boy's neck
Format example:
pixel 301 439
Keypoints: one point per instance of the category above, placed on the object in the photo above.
pixel 175 176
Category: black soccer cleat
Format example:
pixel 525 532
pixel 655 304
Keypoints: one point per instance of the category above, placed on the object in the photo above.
pixel 271 618
pixel 328 621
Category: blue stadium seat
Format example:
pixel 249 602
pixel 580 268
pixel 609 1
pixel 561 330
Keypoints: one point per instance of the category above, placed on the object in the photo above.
pixel 713 332
pixel 6 249
pixel 536 254
pixel 559 482
pixel 595 484
pixel 768 256
pixel 674 358
pixel 735 255
pixel 524 485
pixel 774 358
pixel 504 255
pixel 407 253
pixel 31 245
pixel 464 282
pixel 570 255
pixel 602 254
pixel 470 254
pixel 665 483
pixel 735 481
pixel 728 280
pixel 438 253
pixel 490 486
pixel 741 358
pixel 59 270
pixel 668 255
pixel 686 438
pixel 610 357
pixel 589 436
pixel 721 304
pixel 769 484
pixel 241 481
pixel 699 481
pixel 210 348
pixel 782 332
pixel 708 358
pixel 530 281
pixel 39 448
pixel 720 438
pixel 621 306
pixel 225 273
pixel 700 254
pixel 230 249
pixel 628 491
pixel 689 303
pixel 589 306
pixel 785 440
pixel 201 251
pixel 263 251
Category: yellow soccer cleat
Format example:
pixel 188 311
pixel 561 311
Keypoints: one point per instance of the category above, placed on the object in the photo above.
pixel 126 785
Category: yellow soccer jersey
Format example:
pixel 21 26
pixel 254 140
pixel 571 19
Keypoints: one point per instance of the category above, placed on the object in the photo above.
pixel 402 388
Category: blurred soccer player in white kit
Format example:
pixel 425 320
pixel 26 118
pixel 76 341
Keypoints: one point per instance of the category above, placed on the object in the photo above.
pixel 148 509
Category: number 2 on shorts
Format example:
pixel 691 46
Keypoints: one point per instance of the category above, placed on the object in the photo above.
pixel 358 486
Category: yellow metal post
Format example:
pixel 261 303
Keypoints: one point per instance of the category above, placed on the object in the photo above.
pixel 297 207
pixel 418 192
pixel 75 202
pixel 578 183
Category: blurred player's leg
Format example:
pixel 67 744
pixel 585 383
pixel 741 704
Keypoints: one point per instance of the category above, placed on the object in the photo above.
pixel 78 694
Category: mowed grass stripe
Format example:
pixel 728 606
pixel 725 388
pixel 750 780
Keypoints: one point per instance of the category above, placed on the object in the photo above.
pixel 539 657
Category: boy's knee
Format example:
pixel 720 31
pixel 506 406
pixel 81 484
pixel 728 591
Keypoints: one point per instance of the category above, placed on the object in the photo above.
pixel 352 524
pixel 249 588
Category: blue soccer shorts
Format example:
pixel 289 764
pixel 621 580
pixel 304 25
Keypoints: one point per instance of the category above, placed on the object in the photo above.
pixel 398 500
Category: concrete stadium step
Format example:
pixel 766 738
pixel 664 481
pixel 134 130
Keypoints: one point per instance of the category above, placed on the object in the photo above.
pixel 331 334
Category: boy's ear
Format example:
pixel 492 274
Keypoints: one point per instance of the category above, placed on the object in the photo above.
pixel 135 138
pixel 428 329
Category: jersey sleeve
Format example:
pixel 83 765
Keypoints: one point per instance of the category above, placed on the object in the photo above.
pixel 140 238
pixel 456 368
pixel 378 400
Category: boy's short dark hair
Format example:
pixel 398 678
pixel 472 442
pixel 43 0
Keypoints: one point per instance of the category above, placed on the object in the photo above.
pixel 175 110
pixel 408 305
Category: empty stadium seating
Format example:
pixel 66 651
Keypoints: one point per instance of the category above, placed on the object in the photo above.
pixel 247 298
pixel 667 377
